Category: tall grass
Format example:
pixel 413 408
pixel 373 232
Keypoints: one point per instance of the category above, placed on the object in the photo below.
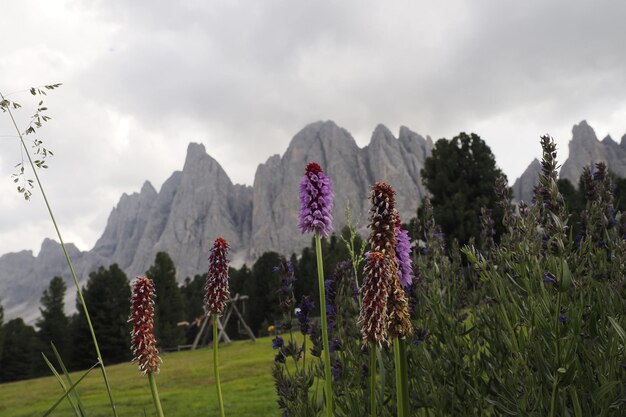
pixel 7 107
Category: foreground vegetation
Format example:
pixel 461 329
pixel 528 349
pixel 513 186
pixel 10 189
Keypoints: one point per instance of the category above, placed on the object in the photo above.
pixel 186 386
pixel 519 313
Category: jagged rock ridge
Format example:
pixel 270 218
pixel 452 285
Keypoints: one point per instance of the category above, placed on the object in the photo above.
pixel 584 149
pixel 200 202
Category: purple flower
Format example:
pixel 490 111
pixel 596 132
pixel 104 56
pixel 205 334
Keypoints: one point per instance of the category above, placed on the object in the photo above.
pixel 335 345
pixel 563 319
pixel 287 278
pixel 316 201
pixel 549 278
pixel 420 336
pixel 302 314
pixel 278 342
pixel 336 369
pixel 279 358
pixel 403 256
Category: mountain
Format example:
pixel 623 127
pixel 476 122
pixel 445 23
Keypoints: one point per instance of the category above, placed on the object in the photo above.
pixel 199 203
pixel 523 186
pixel 584 149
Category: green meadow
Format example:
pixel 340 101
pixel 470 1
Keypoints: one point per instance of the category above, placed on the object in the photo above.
pixel 186 386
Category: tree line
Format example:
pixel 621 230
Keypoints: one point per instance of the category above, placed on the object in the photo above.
pixel 459 175
pixel 179 311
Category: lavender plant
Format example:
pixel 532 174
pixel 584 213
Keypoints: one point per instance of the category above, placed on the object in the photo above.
pixel 552 310
pixel 293 376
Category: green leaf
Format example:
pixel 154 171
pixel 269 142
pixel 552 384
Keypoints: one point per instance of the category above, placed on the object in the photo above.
pixel 58 377
pixel 620 331
pixel 56 404
pixel 81 408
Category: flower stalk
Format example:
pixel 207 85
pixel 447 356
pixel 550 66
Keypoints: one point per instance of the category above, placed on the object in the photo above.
pixel 316 204
pixel 372 386
pixel 216 295
pixel 328 382
pixel 220 399
pixel 155 394
pixel 143 342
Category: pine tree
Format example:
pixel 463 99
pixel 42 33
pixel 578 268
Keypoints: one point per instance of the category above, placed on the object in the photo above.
pixel 1 329
pixel 261 287
pixel 460 175
pixel 169 306
pixel 54 324
pixel 20 351
pixel 107 295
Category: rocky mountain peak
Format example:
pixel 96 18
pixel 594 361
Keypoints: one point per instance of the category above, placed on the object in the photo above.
pixel 584 149
pixel 525 184
pixel 382 136
pixel 147 189
pixel 200 202
pixel 320 142
pixel 583 134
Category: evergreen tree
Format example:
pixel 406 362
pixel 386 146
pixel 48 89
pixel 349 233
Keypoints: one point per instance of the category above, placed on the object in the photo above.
pixel 238 279
pixel 20 351
pixel 262 287
pixel 107 295
pixel 460 175
pixel 54 324
pixel 1 329
pixel 169 307
pixel 192 292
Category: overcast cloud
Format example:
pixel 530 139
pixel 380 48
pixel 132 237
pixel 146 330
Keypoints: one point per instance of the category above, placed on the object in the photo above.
pixel 143 79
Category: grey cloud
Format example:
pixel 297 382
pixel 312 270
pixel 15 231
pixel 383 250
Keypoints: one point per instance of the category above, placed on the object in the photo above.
pixel 235 75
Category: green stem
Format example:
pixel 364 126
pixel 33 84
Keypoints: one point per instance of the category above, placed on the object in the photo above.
pixel 404 375
pixel 397 357
pixel 330 405
pixel 69 263
pixel 372 381
pixel 155 394
pixel 558 355
pixel 220 400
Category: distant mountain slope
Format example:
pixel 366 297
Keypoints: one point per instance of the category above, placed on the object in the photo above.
pixel 200 202
pixel 584 149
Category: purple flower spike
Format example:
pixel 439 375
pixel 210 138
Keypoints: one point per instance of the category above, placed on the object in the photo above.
pixel 403 256
pixel 316 201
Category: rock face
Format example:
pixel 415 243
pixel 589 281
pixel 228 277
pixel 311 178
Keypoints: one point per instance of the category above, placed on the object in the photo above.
pixel 584 149
pixel 524 185
pixel 352 170
pixel 199 203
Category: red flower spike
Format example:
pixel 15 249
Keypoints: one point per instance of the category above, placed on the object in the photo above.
pixel 216 288
pixel 143 342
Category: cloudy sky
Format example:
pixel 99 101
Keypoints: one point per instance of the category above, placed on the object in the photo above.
pixel 143 79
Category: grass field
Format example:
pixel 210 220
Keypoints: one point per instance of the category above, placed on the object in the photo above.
pixel 186 387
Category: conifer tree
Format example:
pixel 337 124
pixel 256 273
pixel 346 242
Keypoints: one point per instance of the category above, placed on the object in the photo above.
pixel 1 329
pixel 169 306
pixel 107 293
pixel 54 324
pixel 261 287
pixel 20 351
pixel 460 175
